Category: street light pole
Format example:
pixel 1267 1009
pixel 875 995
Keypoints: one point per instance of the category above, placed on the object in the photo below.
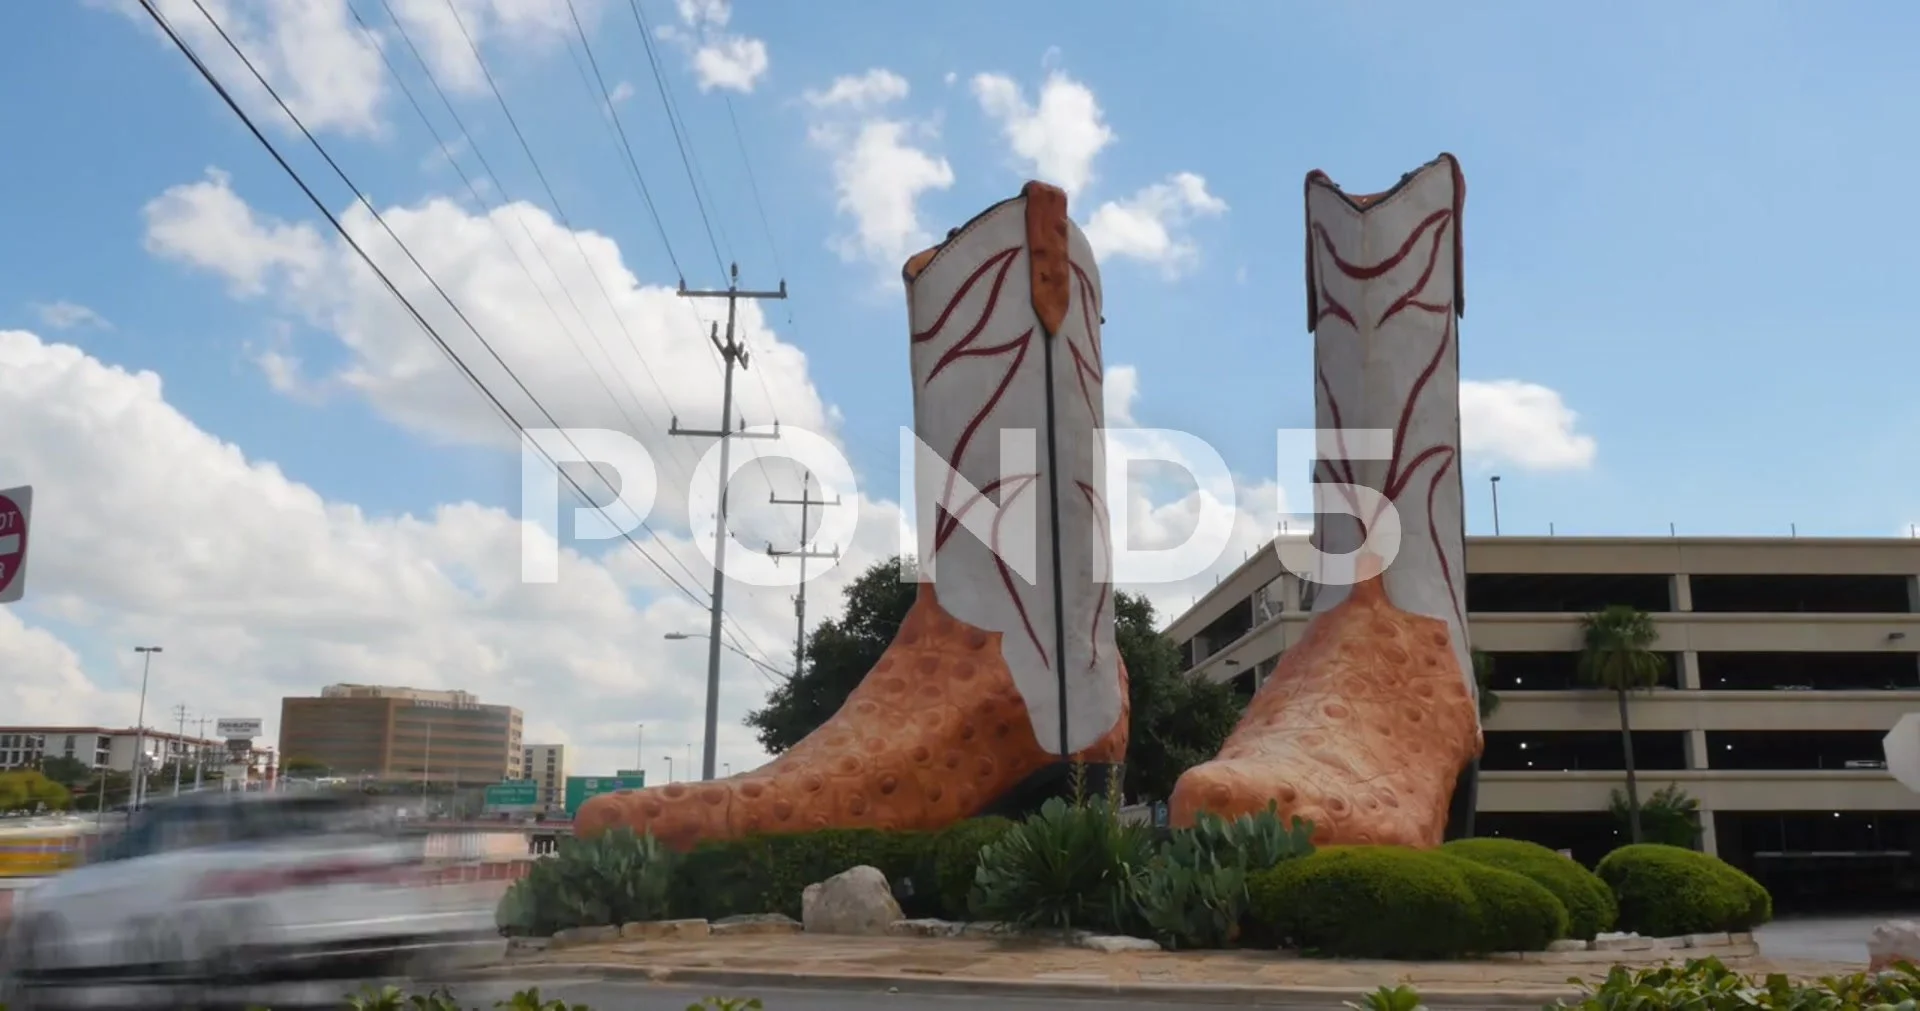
pixel 669 759
pixel 1494 483
pixel 640 747
pixel 140 731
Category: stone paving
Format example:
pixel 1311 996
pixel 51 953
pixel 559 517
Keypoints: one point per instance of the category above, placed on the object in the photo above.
pixel 1028 960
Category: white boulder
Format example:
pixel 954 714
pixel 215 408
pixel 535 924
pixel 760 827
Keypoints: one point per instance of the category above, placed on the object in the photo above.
pixel 856 901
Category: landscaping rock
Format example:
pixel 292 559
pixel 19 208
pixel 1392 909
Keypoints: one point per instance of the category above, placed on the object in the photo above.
pixel 664 930
pixel 755 923
pixel 1570 944
pixel 528 943
pixel 985 928
pixel 574 937
pixel 1624 942
pixel 925 928
pixel 1113 944
pixel 1717 940
pixel 1893 942
pixel 857 901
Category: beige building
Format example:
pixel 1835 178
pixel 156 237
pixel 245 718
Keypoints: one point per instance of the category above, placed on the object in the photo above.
pixel 1789 659
pixel 412 734
pixel 546 764
pixel 110 748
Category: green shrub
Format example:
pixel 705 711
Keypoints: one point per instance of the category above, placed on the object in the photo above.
pixel 1512 912
pixel 956 856
pixel 768 873
pixel 1664 891
pixel 1072 865
pixel 1589 902
pixel 1254 842
pixel 613 878
pixel 1193 895
pixel 1707 985
pixel 1368 902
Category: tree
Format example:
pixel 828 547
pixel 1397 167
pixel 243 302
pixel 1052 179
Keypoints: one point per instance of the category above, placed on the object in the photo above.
pixel 839 654
pixel 68 772
pixel 1669 816
pixel 1617 654
pixel 1483 683
pixel 1176 722
pixel 31 790
pixel 304 768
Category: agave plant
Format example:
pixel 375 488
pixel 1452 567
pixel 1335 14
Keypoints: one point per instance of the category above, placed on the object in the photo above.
pixel 611 879
pixel 1256 842
pixel 1073 864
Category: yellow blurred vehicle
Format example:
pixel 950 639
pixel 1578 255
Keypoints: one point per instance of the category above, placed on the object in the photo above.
pixel 41 847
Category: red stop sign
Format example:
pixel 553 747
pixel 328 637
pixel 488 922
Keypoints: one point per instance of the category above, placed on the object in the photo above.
pixel 13 543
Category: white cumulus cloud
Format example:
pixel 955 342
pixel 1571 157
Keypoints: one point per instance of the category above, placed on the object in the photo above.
pixel 1520 423
pixel 722 59
pixel 1056 138
pixel 882 165
pixel 1149 226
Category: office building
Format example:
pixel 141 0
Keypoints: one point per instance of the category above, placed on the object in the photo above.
pixel 546 764
pixel 1787 661
pixel 385 733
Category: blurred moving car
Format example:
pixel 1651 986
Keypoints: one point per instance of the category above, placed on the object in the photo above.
pixel 216 894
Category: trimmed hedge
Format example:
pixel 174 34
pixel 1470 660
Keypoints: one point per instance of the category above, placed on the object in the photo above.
pixel 1512 912
pixel 1664 891
pixel 1394 902
pixel 956 858
pixel 767 873
pixel 1590 904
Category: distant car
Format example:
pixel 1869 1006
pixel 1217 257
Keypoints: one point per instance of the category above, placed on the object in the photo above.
pixel 207 897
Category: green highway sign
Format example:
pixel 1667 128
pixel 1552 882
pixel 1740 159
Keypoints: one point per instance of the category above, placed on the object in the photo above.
pixel 580 788
pixel 519 794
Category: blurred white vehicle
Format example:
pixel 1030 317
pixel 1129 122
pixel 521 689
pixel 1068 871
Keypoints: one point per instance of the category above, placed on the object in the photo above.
pixel 213 896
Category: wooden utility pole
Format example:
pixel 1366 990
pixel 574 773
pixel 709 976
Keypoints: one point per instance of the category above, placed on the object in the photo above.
pixel 806 502
pixel 734 355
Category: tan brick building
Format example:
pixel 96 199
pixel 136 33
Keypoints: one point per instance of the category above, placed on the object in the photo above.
pixel 409 734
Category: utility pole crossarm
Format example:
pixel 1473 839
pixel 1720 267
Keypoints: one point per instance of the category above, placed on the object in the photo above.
pixel 733 356
pixel 776 553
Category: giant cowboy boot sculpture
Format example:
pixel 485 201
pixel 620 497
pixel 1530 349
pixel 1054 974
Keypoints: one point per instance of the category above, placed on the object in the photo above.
pixel 1365 723
pixel 1005 670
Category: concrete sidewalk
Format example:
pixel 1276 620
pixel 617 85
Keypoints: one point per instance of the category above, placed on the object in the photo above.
pixel 1026 967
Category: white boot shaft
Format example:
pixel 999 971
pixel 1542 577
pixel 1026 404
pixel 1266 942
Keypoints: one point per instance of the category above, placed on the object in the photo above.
pixel 989 357
pixel 1384 297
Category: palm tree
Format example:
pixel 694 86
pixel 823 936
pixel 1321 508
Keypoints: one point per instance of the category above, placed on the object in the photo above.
pixel 1483 685
pixel 1617 653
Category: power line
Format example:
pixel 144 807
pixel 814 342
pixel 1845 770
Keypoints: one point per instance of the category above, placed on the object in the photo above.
pixel 687 161
pixel 494 86
pixel 506 196
pixel 753 183
pixel 386 281
pixel 560 211
pixel 626 146
pixel 446 151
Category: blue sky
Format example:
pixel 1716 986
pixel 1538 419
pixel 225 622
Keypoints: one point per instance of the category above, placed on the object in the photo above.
pixel 1687 223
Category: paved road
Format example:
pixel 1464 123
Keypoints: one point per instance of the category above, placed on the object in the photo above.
pixel 1826 938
